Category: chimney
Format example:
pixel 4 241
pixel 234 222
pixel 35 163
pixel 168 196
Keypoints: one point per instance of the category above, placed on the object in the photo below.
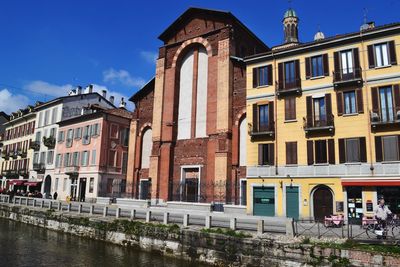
pixel 79 90
pixel 90 88
pixel 104 93
pixel 122 103
pixel 112 99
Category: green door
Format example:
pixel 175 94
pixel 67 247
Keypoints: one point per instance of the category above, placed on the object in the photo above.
pixel 264 201
pixel 292 202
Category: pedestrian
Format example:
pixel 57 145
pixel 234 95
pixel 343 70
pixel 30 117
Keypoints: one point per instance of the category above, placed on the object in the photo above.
pixel 55 195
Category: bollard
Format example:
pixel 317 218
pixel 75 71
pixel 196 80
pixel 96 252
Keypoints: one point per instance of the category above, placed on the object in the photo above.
pixel 59 206
pixel 42 203
pixel 133 214
pixel 185 220
pixel 34 202
pixel 105 211
pixel 27 201
pixel 260 227
pixel 80 208
pixel 118 213
pixel 148 216
pixel 208 222
pixel 69 207
pixel 290 227
pixel 233 223
pixel 166 218
pixel 91 209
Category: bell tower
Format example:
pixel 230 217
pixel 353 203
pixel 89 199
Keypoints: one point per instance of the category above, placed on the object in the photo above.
pixel 290 26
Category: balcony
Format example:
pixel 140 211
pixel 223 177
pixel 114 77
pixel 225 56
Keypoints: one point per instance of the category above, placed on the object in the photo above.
pixel 72 170
pixel 50 141
pixel 11 174
pixel 35 145
pixel 260 132
pixel 341 79
pixel 23 172
pixel 14 154
pixel 385 119
pixel 5 155
pixel 22 153
pixel 39 167
pixel 288 87
pixel 324 125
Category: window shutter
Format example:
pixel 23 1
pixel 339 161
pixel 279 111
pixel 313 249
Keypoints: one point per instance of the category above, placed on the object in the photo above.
pixel 378 148
pixel 328 100
pixel 270 78
pixel 398 145
pixel 336 62
pixel 310 152
pixel 271 116
pixel 271 154
pixel 375 100
pixel 357 70
pixel 288 153
pixel 297 70
pixel 308 68
pixel 280 76
pixel 360 101
pixel 260 154
pixel 325 60
pixel 255 77
pixel 371 56
pixel 396 93
pixel 363 150
pixel 309 111
pixel 255 117
pixel 331 151
pixel 342 151
pixel 294 152
pixel 392 51
pixel 339 100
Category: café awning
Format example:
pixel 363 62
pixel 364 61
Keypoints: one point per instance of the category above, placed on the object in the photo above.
pixel 16 182
pixel 32 183
pixel 370 182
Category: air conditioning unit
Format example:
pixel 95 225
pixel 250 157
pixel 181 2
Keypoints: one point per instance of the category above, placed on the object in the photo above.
pixel 374 117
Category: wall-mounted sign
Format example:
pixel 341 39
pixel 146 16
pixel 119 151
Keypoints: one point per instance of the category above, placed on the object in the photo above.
pixel 339 206
pixel 370 206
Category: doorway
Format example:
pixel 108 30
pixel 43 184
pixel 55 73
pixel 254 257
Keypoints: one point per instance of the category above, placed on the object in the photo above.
pixel 322 203
pixel 190 182
pixel 264 201
pixel 292 202
pixel 82 189
pixel 144 189
pixel 47 186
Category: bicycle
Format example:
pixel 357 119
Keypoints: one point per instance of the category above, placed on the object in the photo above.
pixel 380 229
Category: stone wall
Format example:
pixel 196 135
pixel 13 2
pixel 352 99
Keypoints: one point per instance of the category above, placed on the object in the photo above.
pixel 222 249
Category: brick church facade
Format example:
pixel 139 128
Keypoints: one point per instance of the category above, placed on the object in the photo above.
pixel 189 128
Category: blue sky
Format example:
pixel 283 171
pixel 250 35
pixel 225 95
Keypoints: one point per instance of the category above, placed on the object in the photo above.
pixel 48 46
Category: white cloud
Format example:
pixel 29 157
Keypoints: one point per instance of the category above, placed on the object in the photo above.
pixel 10 102
pixel 149 56
pixel 48 89
pixel 122 77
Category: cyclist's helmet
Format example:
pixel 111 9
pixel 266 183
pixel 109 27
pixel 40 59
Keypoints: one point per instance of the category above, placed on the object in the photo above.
pixel 381 197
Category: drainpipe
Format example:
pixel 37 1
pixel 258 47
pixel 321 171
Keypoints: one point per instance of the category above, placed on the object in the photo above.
pixel 275 115
pixel 367 101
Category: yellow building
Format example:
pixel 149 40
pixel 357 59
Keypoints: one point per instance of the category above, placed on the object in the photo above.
pixel 324 121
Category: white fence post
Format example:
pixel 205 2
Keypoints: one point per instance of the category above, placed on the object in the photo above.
pixel 260 227
pixel 148 216
pixel 185 220
pixel 133 214
pixel 118 213
pixel 105 211
pixel 208 222
pixel 233 223
pixel 91 209
pixel 166 218
pixel 80 208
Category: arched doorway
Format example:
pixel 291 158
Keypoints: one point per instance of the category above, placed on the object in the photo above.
pixel 322 202
pixel 47 185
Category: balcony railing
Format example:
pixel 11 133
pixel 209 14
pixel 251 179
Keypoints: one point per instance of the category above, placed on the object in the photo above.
pixel 262 130
pixel 35 145
pixel 5 155
pixel 321 124
pixel 72 170
pixel 50 141
pixel 385 118
pixel 39 167
pixel 347 76
pixel 288 87
pixel 23 172
pixel 14 154
pixel 22 153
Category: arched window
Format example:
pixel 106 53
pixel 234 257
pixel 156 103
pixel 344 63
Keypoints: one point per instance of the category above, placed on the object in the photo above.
pixel 242 142
pixel 147 144
pixel 193 82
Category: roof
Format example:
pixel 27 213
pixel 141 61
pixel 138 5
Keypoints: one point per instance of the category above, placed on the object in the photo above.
pixel 193 10
pixel 149 86
pixel 5 115
pixel 290 13
pixel 329 41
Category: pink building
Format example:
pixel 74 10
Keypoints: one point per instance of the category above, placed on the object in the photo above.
pixel 92 155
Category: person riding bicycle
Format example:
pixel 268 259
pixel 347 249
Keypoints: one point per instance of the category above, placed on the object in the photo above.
pixel 382 212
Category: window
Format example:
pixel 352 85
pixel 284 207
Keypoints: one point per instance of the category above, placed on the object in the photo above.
pixel 125 136
pixel 47 117
pixel 86 135
pixel 353 150
pixel 111 158
pixel 78 133
pixel 36 158
pixel 91 185
pixel 75 159
pixel 58 160
pixel 50 156
pixel 40 122
pixel 320 152
pixel 317 66
pixel 263 120
pixel 290 74
pixel 96 129
pixel 56 184
pixel 70 137
pixel 124 162
pixel 349 102
pixel 38 137
pixel 85 158
pixel 93 161
pixel 67 160
pixel 147 145
pixel 347 61
pixel 290 108
pixel 291 153
pixel 114 131
pixel 53 132
pixel 61 136
pixel 42 157
pixel 266 154
pixel 381 55
pixel 262 76
pixel 319 111
pixel 54 115
pixel 390 148
pixel 386 103
pixel 65 184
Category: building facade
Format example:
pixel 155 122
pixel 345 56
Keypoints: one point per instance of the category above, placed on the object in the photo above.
pixel 92 155
pixel 49 114
pixel 199 106
pixel 324 128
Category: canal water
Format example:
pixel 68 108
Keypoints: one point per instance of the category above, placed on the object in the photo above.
pixel 26 245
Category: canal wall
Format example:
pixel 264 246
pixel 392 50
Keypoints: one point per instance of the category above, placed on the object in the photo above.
pixel 216 247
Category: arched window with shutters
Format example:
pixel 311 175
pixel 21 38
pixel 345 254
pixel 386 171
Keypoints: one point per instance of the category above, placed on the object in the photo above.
pixel 147 144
